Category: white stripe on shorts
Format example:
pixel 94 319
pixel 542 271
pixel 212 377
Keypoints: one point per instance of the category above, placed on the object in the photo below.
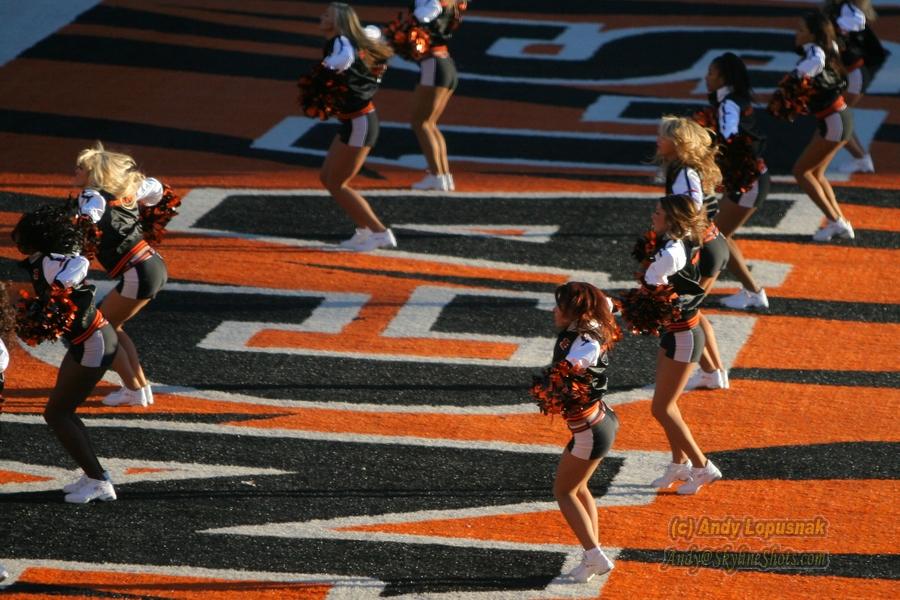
pixel 584 444
pixel 748 198
pixel 131 283
pixel 855 82
pixel 429 68
pixel 94 348
pixel 359 128
pixel 684 346
pixel 834 127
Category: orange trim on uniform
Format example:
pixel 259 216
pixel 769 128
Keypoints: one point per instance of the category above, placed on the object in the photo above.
pixel 126 259
pixel 856 65
pixel 836 106
pixel 439 52
pixel 98 322
pixel 711 233
pixel 601 414
pixel 120 201
pixel 684 325
pixel 363 111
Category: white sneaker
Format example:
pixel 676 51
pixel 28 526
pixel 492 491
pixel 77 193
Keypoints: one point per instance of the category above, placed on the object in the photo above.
pixel 361 235
pixel 843 228
pixel 674 472
pixel 710 380
pixel 4 574
pixel 700 477
pixel 93 489
pixel 148 394
pixel 451 185
pixel 858 165
pixel 71 487
pixel 746 299
pixel 589 567
pixel 381 239
pixel 125 397
pixel 432 182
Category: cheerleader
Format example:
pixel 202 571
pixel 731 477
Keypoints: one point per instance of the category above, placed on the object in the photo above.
pixel 51 241
pixel 114 191
pixel 850 20
pixel 360 58
pixel 680 228
pixel 437 82
pixel 7 327
pixel 587 331
pixel 684 150
pixel 731 97
pixel 821 64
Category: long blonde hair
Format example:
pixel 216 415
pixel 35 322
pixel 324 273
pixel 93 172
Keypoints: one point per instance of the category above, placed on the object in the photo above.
pixel 347 23
pixel 112 172
pixel 694 147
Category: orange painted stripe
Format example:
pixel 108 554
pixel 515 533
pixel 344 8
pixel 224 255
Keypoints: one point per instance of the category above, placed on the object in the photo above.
pixel 830 272
pixel 860 518
pixel 166 586
pixel 643 580
pixel 872 217
pixel 16 477
pixel 143 470
pixel 424 347
pixel 758 414
pixel 801 343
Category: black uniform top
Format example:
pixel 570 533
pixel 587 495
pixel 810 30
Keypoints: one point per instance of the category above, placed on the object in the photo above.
pixel 361 82
pixel 685 281
pixel 746 124
pixel 853 39
pixel 599 379
pixel 82 293
pixel 441 27
pixel 121 234
pixel 681 179
pixel 827 83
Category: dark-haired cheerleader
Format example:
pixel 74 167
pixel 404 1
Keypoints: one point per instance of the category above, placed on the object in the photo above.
pixel 437 82
pixel 359 60
pixel 815 86
pixel 114 192
pixel 574 386
pixel 745 178
pixel 63 306
pixel 861 55
pixel 685 150
pixel 679 227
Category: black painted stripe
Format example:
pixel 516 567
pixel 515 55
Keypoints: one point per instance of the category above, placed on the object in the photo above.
pixel 840 460
pixel 821 377
pixel 834 310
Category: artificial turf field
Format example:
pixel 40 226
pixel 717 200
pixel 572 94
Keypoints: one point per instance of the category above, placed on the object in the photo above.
pixel 338 425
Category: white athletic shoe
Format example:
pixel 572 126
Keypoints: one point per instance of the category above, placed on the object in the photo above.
pixel 71 487
pixel 148 394
pixel 381 239
pixel 700 477
pixel 92 489
pixel 451 185
pixel 432 182
pixel 4 574
pixel 858 165
pixel 844 229
pixel 589 567
pixel 674 472
pixel 710 380
pixel 746 299
pixel 125 397
pixel 359 236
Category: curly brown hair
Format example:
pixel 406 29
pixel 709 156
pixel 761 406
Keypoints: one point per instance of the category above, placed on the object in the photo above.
pixel 589 310
pixel 685 221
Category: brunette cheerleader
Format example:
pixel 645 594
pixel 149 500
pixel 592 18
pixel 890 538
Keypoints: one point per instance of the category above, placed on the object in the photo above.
pixel 114 191
pixel 679 227
pixel 360 58
pixel 437 82
pixel 821 67
pixel 51 241
pixel 685 150
pixel 861 55
pixel 744 173
pixel 587 331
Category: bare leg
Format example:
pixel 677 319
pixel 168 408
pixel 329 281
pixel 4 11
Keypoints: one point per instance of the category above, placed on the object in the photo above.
pixel 424 103
pixel 341 165
pixel 817 154
pixel 711 359
pixel 574 498
pixel 118 309
pixel 854 147
pixel 671 376
pixel 819 173
pixel 443 97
